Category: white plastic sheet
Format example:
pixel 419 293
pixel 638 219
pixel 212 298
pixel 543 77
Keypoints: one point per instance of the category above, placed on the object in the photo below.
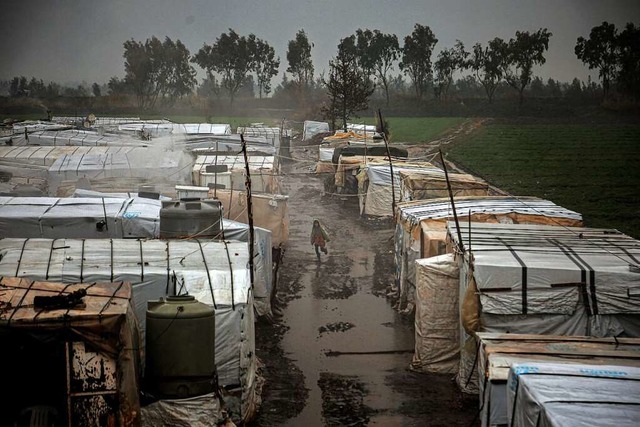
pixel 312 128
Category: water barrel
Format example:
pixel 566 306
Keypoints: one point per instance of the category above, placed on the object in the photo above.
pixel 180 347
pixel 190 218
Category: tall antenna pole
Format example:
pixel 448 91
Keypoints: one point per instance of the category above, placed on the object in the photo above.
pixel 386 145
pixel 249 206
pixel 453 205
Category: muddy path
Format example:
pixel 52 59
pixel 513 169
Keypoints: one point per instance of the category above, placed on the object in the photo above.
pixel 339 354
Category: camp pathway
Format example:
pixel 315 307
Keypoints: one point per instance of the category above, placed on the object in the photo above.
pixel 346 349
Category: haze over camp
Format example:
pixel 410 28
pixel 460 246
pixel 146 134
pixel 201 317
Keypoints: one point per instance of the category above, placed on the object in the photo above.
pixel 325 213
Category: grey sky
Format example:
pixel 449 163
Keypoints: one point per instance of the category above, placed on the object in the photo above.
pixel 73 41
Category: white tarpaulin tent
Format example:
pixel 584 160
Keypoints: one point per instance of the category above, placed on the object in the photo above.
pixel 139 166
pixel 562 395
pixel 216 273
pixel 498 352
pixel 27 166
pixel 116 218
pixel 54 218
pixel 75 137
pixel 228 172
pixel 374 185
pixel 539 279
pixel 437 346
pixel 312 128
pixel 421 227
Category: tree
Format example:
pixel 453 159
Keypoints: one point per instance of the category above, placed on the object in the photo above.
pixel 601 52
pixel 416 58
pixel 95 88
pixel 486 64
pixel 231 56
pixel 265 66
pixel 629 75
pixel 158 69
pixel 522 53
pixel 299 59
pixel 378 52
pixel 449 60
pixel 348 88
pixel 14 87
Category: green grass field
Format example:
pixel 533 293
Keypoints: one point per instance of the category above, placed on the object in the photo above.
pixel 592 169
pixel 417 129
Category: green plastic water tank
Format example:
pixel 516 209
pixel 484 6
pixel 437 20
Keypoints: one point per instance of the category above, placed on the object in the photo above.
pixel 184 218
pixel 180 347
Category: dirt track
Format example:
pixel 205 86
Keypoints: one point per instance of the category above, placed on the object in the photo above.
pixel 340 353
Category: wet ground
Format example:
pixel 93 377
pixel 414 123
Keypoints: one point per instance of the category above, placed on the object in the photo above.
pixel 339 354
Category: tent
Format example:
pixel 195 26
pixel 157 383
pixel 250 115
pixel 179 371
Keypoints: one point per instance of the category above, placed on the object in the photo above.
pixel 562 395
pixel 374 185
pixel 79 362
pixel 25 167
pixel 541 279
pixel 215 273
pixel 498 352
pixel 432 183
pixel 229 172
pixel 119 171
pixel 117 218
pixel 75 137
pixel 270 211
pixel 437 347
pixel 312 128
pixel 421 228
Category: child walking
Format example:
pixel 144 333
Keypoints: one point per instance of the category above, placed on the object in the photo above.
pixel 319 238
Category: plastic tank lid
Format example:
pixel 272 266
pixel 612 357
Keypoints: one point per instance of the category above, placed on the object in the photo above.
pixel 180 307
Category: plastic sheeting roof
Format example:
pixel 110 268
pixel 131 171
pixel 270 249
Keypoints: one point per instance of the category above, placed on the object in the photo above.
pixel 73 137
pixel 234 162
pixel 414 212
pixel 545 394
pixel 547 269
pixel 46 156
pixel 380 174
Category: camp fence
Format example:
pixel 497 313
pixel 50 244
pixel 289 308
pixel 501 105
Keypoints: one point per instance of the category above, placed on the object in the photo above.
pixel 421 228
pixel 539 279
pixel 562 395
pixel 216 273
pixel 498 352
pixel 117 218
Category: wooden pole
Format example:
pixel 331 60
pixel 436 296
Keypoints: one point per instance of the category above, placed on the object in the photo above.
pixel 453 206
pixel 249 206
pixel 386 145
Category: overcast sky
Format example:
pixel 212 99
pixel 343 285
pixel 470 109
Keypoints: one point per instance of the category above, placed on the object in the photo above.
pixel 74 41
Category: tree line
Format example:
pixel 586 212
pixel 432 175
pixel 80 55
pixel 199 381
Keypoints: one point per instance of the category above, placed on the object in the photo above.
pixel 160 72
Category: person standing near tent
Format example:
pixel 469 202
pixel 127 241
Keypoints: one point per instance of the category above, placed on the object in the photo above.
pixel 319 238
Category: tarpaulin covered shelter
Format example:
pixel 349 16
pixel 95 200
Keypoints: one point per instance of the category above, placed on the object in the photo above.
pixel 540 279
pixel 432 183
pixel 119 172
pixel 216 273
pixel 437 330
pixel 312 128
pixel 270 211
pixel 374 185
pixel 497 353
pixel 226 144
pixel 421 228
pixel 27 167
pixel 228 172
pixel 53 217
pixel 78 362
pixel 562 395
pixel 326 159
pixel 117 218
pixel 75 137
